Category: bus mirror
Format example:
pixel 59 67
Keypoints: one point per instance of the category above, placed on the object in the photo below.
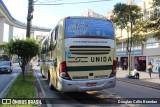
pixel 55 63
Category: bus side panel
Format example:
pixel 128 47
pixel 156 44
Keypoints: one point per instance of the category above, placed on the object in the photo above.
pixel 58 54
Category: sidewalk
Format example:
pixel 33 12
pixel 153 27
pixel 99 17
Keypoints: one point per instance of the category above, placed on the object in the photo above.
pixel 145 80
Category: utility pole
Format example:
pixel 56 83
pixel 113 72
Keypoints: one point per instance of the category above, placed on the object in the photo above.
pixel 29 18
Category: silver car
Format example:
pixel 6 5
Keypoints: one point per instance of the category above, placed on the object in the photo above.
pixel 5 67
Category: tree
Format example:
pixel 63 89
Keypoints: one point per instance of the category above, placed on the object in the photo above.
pixel 5 51
pixel 117 16
pixel 153 24
pixel 25 50
pixel 3 47
pixel 126 17
pixel 138 36
pixel 156 2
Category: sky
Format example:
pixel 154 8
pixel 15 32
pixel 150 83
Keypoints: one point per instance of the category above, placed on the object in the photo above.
pixel 49 15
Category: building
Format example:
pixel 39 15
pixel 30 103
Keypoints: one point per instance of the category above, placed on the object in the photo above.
pixel 91 13
pixel 130 2
pixel 40 38
pixel 148 51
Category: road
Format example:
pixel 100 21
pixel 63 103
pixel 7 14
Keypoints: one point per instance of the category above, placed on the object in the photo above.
pixel 127 90
pixel 7 79
pixel 97 98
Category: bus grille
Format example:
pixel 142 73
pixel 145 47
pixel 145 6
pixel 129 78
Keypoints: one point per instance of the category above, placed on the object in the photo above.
pixel 90 50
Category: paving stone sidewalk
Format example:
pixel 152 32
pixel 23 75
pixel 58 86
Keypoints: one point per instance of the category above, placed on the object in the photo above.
pixel 145 80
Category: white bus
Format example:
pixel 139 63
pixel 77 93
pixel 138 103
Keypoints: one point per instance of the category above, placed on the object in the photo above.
pixel 79 55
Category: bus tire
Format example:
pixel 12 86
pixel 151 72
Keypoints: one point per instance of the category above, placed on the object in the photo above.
pixel 49 82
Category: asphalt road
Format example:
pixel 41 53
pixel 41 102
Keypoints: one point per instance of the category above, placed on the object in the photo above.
pixel 127 90
pixel 97 98
pixel 7 79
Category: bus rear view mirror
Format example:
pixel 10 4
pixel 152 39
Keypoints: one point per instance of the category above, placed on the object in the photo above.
pixel 55 63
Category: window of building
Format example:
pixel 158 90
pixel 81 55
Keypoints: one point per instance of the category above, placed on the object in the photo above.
pixel 124 46
pixel 119 46
pixel 152 45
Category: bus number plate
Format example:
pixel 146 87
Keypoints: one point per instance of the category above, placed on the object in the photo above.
pixel 91 84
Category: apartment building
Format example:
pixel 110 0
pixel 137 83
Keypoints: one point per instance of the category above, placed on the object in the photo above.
pixel 143 53
pixel 91 13
pixel 148 51
pixel 40 37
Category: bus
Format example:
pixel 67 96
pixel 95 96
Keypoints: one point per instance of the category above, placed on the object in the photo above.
pixel 79 55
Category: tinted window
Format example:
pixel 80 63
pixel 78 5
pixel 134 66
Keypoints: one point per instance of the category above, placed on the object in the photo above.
pixel 5 63
pixel 88 27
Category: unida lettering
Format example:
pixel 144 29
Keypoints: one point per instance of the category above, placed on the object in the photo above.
pixel 101 59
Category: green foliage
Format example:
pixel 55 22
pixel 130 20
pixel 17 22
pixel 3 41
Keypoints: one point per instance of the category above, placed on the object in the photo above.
pixel 152 25
pixel 22 89
pixel 124 14
pixel 25 49
pixel 5 57
pixel 119 17
pixel 138 33
pixel 156 2
pixel 4 47
pixel 157 35
pixel 27 85
pixel 125 17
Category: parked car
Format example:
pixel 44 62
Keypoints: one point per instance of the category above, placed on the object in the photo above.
pixel 5 67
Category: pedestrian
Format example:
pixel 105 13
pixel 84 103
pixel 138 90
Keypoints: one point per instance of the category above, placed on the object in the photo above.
pixel 135 73
pixel 125 65
pixel 149 69
pixel 159 71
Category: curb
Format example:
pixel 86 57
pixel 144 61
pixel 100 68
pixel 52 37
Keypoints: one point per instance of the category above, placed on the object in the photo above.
pixel 39 89
pixel 145 85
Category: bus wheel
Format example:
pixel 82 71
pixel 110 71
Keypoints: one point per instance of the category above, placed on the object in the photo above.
pixel 49 82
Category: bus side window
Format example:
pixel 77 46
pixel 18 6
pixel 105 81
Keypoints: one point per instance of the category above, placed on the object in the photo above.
pixel 52 45
pixel 49 43
pixel 56 32
pixel 52 39
pixel 46 45
pixel 43 49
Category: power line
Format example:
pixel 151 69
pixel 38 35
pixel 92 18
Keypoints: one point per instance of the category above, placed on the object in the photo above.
pixel 74 2
pixel 49 1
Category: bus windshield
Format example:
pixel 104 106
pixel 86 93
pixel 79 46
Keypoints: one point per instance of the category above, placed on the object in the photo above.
pixel 88 27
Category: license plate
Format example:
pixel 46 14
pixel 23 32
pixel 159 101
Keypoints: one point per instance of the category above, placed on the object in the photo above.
pixel 91 84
